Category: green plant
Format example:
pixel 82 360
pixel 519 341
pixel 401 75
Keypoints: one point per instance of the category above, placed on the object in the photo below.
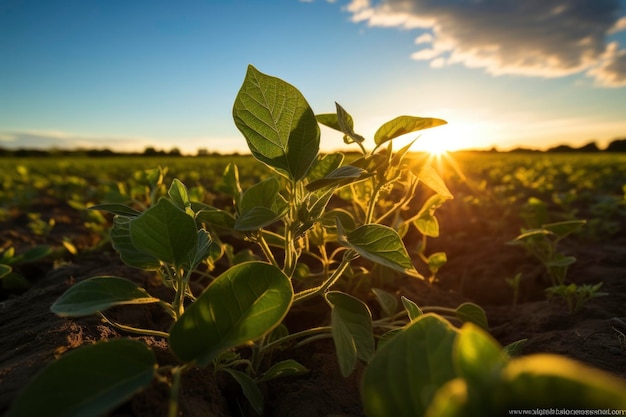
pixel 514 282
pixel 430 368
pixel 286 216
pixel 9 259
pixel 542 243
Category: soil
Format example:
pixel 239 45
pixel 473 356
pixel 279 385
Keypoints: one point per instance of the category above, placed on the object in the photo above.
pixel 478 262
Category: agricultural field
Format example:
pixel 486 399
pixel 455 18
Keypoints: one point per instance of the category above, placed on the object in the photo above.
pixel 307 284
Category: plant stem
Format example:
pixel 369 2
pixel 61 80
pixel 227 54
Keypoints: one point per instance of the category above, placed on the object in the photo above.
pixel 303 333
pixel 145 332
pixel 174 391
pixel 348 257
pixel 266 249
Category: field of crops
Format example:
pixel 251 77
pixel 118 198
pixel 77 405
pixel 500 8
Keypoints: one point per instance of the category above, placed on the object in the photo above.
pixel 496 196
pixel 294 283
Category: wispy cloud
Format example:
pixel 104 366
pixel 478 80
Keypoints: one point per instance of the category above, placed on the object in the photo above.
pixel 530 38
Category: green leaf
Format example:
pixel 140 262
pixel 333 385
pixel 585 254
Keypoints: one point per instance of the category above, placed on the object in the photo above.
pixel 117 209
pixel 243 304
pixel 387 301
pixel 288 367
pixel 180 196
pixel 346 125
pixel 261 194
pixel 436 261
pixel 429 176
pixel 472 313
pixel 407 371
pixel 324 165
pixel 425 221
pixel 122 242
pixel 411 308
pixel 5 270
pixel 213 216
pixel 89 381
pixel 380 244
pixel 551 381
pixel 97 294
pixel 257 218
pixel 402 125
pixel 250 389
pixel 351 323
pixel 36 253
pixel 478 357
pixel 165 232
pixel 230 181
pixel 515 348
pixel 340 176
pixel 278 124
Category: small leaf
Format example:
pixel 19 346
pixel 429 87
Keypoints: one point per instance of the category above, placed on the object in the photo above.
pixel 244 303
pixel 387 301
pixel 213 216
pixel 261 194
pixel 515 348
pixel 165 232
pixel 324 165
pixel 97 294
pixel 351 323
pixel 288 367
pixel 436 261
pixel 340 176
pixel 250 389
pixel 380 244
pixel 411 308
pixel 402 125
pixel 5 270
pixel 425 221
pixel 89 381
pixel 562 229
pixel 180 196
pixel 472 313
pixel 36 253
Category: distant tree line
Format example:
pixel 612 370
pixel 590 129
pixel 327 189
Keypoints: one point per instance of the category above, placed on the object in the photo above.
pixel 617 145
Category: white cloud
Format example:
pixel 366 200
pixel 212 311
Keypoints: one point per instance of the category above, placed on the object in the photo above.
pixel 531 37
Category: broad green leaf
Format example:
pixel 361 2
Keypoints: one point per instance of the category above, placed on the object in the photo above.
pixel 402 125
pixel 288 367
pixel 407 371
pixel 230 181
pixel 117 209
pixel 120 237
pixel 411 308
pixel 472 313
pixel 257 218
pixel 244 303
pixel 429 176
pixel 551 381
pixel 324 165
pixel 13 281
pixel 515 348
pixel 97 294
pixel 261 194
pixel 165 232
pixel 351 323
pixel 278 124
pixel 201 252
pixel 387 301
pixel 89 381
pixel 250 389
pixel 380 244
pixel 180 196
pixel 478 357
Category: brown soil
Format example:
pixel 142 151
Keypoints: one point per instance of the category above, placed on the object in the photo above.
pixel 32 336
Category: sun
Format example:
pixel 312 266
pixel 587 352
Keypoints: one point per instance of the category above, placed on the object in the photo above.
pixel 440 140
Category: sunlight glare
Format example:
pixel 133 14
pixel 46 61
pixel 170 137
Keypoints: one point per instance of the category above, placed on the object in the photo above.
pixel 442 139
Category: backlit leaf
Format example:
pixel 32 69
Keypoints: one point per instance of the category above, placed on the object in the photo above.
pixel 97 294
pixel 402 125
pixel 278 124
pixel 244 303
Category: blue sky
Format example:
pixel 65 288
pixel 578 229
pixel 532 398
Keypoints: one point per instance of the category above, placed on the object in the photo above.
pixel 130 74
